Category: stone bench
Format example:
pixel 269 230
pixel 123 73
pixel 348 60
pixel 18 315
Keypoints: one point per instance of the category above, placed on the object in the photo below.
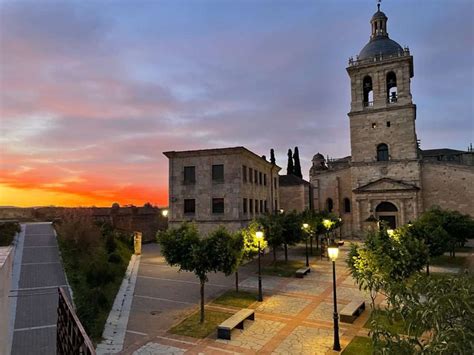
pixel 352 310
pixel 235 321
pixel 300 273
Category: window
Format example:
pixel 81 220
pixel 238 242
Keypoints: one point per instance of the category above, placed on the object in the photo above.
pixel 261 206
pixel 244 205
pixel 275 182
pixel 266 206
pixel 260 178
pixel 251 206
pixel 189 174
pixel 368 91
pixel 250 174
pixel 391 87
pixel 217 205
pixel 382 152
pixel 329 205
pixel 388 123
pixel 189 206
pixel 347 205
pixel 374 125
pixel 256 206
pixel 244 173
pixel 255 177
pixel 218 173
pixel 276 205
pixel 265 179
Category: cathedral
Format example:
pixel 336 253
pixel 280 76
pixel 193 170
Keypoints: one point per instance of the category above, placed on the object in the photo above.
pixel 388 177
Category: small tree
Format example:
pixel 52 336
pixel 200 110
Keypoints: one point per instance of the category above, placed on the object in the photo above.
pixel 272 225
pixel 247 248
pixel 291 230
pixel 290 167
pixel 297 168
pixel 184 247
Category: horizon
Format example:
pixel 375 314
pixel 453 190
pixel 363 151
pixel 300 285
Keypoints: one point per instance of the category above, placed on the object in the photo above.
pixel 93 93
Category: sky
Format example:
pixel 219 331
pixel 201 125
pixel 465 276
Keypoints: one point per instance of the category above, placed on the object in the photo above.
pixel 92 92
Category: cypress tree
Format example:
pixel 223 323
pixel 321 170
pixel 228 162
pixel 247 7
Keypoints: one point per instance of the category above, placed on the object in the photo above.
pixel 290 168
pixel 272 156
pixel 297 168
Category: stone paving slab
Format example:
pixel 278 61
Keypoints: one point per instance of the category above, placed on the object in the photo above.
pixel 307 287
pixel 324 311
pixel 47 255
pixel 306 341
pixel 268 282
pixel 44 275
pixel 350 294
pixel 255 334
pixel 35 342
pixel 285 305
pixel 158 349
pixel 35 309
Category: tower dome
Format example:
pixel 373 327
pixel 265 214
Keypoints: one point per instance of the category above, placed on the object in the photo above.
pixel 380 44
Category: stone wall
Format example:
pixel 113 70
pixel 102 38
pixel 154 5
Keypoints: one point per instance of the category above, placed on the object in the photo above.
pixel 449 186
pixel 295 197
pixel 6 263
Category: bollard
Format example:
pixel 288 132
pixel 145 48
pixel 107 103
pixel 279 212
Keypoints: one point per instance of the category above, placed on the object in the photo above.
pixel 137 242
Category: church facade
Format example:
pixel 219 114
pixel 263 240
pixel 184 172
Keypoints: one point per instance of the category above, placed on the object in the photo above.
pixel 388 177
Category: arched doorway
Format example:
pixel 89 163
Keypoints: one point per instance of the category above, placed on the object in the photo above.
pixel 387 212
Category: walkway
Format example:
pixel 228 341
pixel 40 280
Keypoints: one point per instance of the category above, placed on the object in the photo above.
pixel 38 273
pixel 295 317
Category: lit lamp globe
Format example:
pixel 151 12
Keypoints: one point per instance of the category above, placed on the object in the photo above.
pixel 333 252
pixel 326 223
pixel 259 235
pixel 305 225
pixel 390 232
pixel 164 213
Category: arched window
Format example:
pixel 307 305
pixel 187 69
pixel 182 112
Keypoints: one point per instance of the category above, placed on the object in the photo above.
pixel 329 205
pixel 368 91
pixel 386 207
pixel 392 87
pixel 347 205
pixel 382 152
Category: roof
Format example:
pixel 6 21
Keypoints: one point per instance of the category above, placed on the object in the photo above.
pixel 215 151
pixel 291 180
pixel 380 45
pixel 441 151
pixel 379 14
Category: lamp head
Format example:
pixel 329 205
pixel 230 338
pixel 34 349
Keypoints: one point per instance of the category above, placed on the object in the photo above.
pixel 259 235
pixel 390 232
pixel 305 225
pixel 333 251
pixel 164 213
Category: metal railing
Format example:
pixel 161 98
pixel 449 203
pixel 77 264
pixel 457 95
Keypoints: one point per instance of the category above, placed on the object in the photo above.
pixel 377 58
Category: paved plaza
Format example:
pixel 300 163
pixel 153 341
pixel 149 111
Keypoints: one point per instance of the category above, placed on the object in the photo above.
pixel 296 316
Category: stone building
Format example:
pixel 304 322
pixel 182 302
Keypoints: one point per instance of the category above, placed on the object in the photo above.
pixel 387 175
pixel 226 186
pixel 295 193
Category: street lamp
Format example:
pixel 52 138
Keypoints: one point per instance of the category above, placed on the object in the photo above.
pixel 327 225
pixel 305 229
pixel 259 235
pixel 164 213
pixel 333 252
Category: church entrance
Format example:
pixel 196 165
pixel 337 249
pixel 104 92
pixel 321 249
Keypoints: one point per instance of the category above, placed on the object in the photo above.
pixel 387 212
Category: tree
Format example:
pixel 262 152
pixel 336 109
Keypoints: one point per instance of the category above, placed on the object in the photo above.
pixel 437 313
pixel 291 230
pixel 297 167
pixel 273 228
pixel 386 258
pixel 290 168
pixel 183 247
pixel 248 247
pixel 272 156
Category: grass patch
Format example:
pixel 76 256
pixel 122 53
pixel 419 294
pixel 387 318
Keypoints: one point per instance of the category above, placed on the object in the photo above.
pixel 282 268
pixel 191 326
pixel 396 326
pixel 241 299
pixel 359 346
pixel 448 261
pixel 95 259
pixel 8 230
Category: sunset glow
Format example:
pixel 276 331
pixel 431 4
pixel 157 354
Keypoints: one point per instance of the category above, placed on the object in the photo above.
pixel 92 93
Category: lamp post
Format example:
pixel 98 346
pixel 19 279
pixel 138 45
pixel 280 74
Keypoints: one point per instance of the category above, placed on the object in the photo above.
pixel 259 235
pixel 333 252
pixel 327 225
pixel 305 229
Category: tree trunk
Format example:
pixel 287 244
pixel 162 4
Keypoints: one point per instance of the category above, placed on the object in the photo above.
pixel 286 253
pixel 428 267
pixel 202 301
pixel 311 244
pixel 274 253
pixel 454 250
pixel 317 242
pixel 237 281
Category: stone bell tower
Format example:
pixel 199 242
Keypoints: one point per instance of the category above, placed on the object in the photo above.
pixel 384 159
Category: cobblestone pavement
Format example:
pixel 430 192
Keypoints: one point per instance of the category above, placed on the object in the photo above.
pixel 296 316
pixel 39 271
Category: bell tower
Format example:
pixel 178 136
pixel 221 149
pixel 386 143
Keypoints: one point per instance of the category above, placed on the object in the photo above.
pixel 382 115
